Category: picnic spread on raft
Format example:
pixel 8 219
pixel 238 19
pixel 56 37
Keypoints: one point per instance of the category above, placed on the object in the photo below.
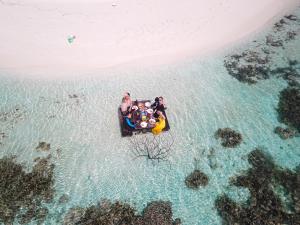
pixel 141 116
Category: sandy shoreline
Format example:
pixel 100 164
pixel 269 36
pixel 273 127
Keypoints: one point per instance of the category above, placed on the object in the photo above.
pixel 34 36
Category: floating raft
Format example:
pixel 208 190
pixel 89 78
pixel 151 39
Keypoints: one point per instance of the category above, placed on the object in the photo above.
pixel 128 131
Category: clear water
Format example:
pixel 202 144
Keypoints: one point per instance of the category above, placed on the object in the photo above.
pixel 92 160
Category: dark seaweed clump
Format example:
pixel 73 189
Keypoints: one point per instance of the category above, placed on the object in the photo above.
pixel 248 67
pixel 196 179
pixel 43 146
pixel 107 213
pixel 251 66
pixel 23 193
pixel 290 73
pixel 2 136
pixel 289 107
pixel 230 138
pixel 265 206
pixel 285 133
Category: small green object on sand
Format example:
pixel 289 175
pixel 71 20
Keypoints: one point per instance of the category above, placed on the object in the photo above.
pixel 71 39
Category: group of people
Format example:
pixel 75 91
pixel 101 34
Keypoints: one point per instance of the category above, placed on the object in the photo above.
pixel 158 107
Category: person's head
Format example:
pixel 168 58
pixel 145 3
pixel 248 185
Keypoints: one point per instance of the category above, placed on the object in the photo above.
pixel 156 99
pixel 161 100
pixel 127 96
pixel 141 106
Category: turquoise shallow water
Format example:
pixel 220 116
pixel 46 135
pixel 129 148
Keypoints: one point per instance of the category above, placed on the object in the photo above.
pixel 92 160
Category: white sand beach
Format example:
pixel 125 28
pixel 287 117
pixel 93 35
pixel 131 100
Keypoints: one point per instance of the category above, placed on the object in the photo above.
pixel 107 33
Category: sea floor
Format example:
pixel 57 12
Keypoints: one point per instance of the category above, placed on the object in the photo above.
pixel 93 162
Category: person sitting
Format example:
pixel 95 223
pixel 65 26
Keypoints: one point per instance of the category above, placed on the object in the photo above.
pixel 128 122
pixel 160 125
pixel 159 105
pixel 126 104
pixel 155 103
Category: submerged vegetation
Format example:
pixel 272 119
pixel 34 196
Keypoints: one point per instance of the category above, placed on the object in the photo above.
pixel 22 194
pixel 253 65
pixel 196 179
pixel 248 67
pixel 108 213
pixel 285 133
pixel 43 146
pixel 266 204
pixel 230 138
pixel 289 107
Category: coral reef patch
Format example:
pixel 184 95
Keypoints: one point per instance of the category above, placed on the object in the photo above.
pixel 252 65
pixel 8 119
pixel 265 205
pixel 289 107
pixel 13 115
pixel 2 137
pixel 290 73
pixel 196 179
pixel 43 146
pixel 285 133
pixel 107 213
pixel 248 67
pixel 229 137
pixel 23 194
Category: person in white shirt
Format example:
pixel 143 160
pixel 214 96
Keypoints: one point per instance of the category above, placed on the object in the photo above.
pixel 126 104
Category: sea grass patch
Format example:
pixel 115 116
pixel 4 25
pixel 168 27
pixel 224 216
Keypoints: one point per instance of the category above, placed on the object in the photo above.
pixel 108 213
pixel 23 193
pixel 196 179
pixel 265 205
pixel 43 146
pixel 229 137
pixel 289 107
pixel 286 133
pixel 249 66
pixel 254 64
pixel 290 73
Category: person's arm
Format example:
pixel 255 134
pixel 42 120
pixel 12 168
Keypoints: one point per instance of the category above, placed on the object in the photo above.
pixel 129 123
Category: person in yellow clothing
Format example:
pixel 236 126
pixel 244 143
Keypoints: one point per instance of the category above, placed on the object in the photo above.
pixel 160 125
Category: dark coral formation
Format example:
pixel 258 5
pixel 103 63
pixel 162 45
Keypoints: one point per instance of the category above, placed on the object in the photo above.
pixel 279 25
pixel 291 35
pixel 272 41
pixel 291 73
pixel 289 107
pixel 157 212
pixel 22 193
pixel 8 119
pixel 265 206
pixel 107 213
pixel 291 17
pixel 13 115
pixel 285 133
pixel 248 67
pixel 63 199
pixel 2 136
pixel 230 138
pixel 196 179
pixel 43 146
